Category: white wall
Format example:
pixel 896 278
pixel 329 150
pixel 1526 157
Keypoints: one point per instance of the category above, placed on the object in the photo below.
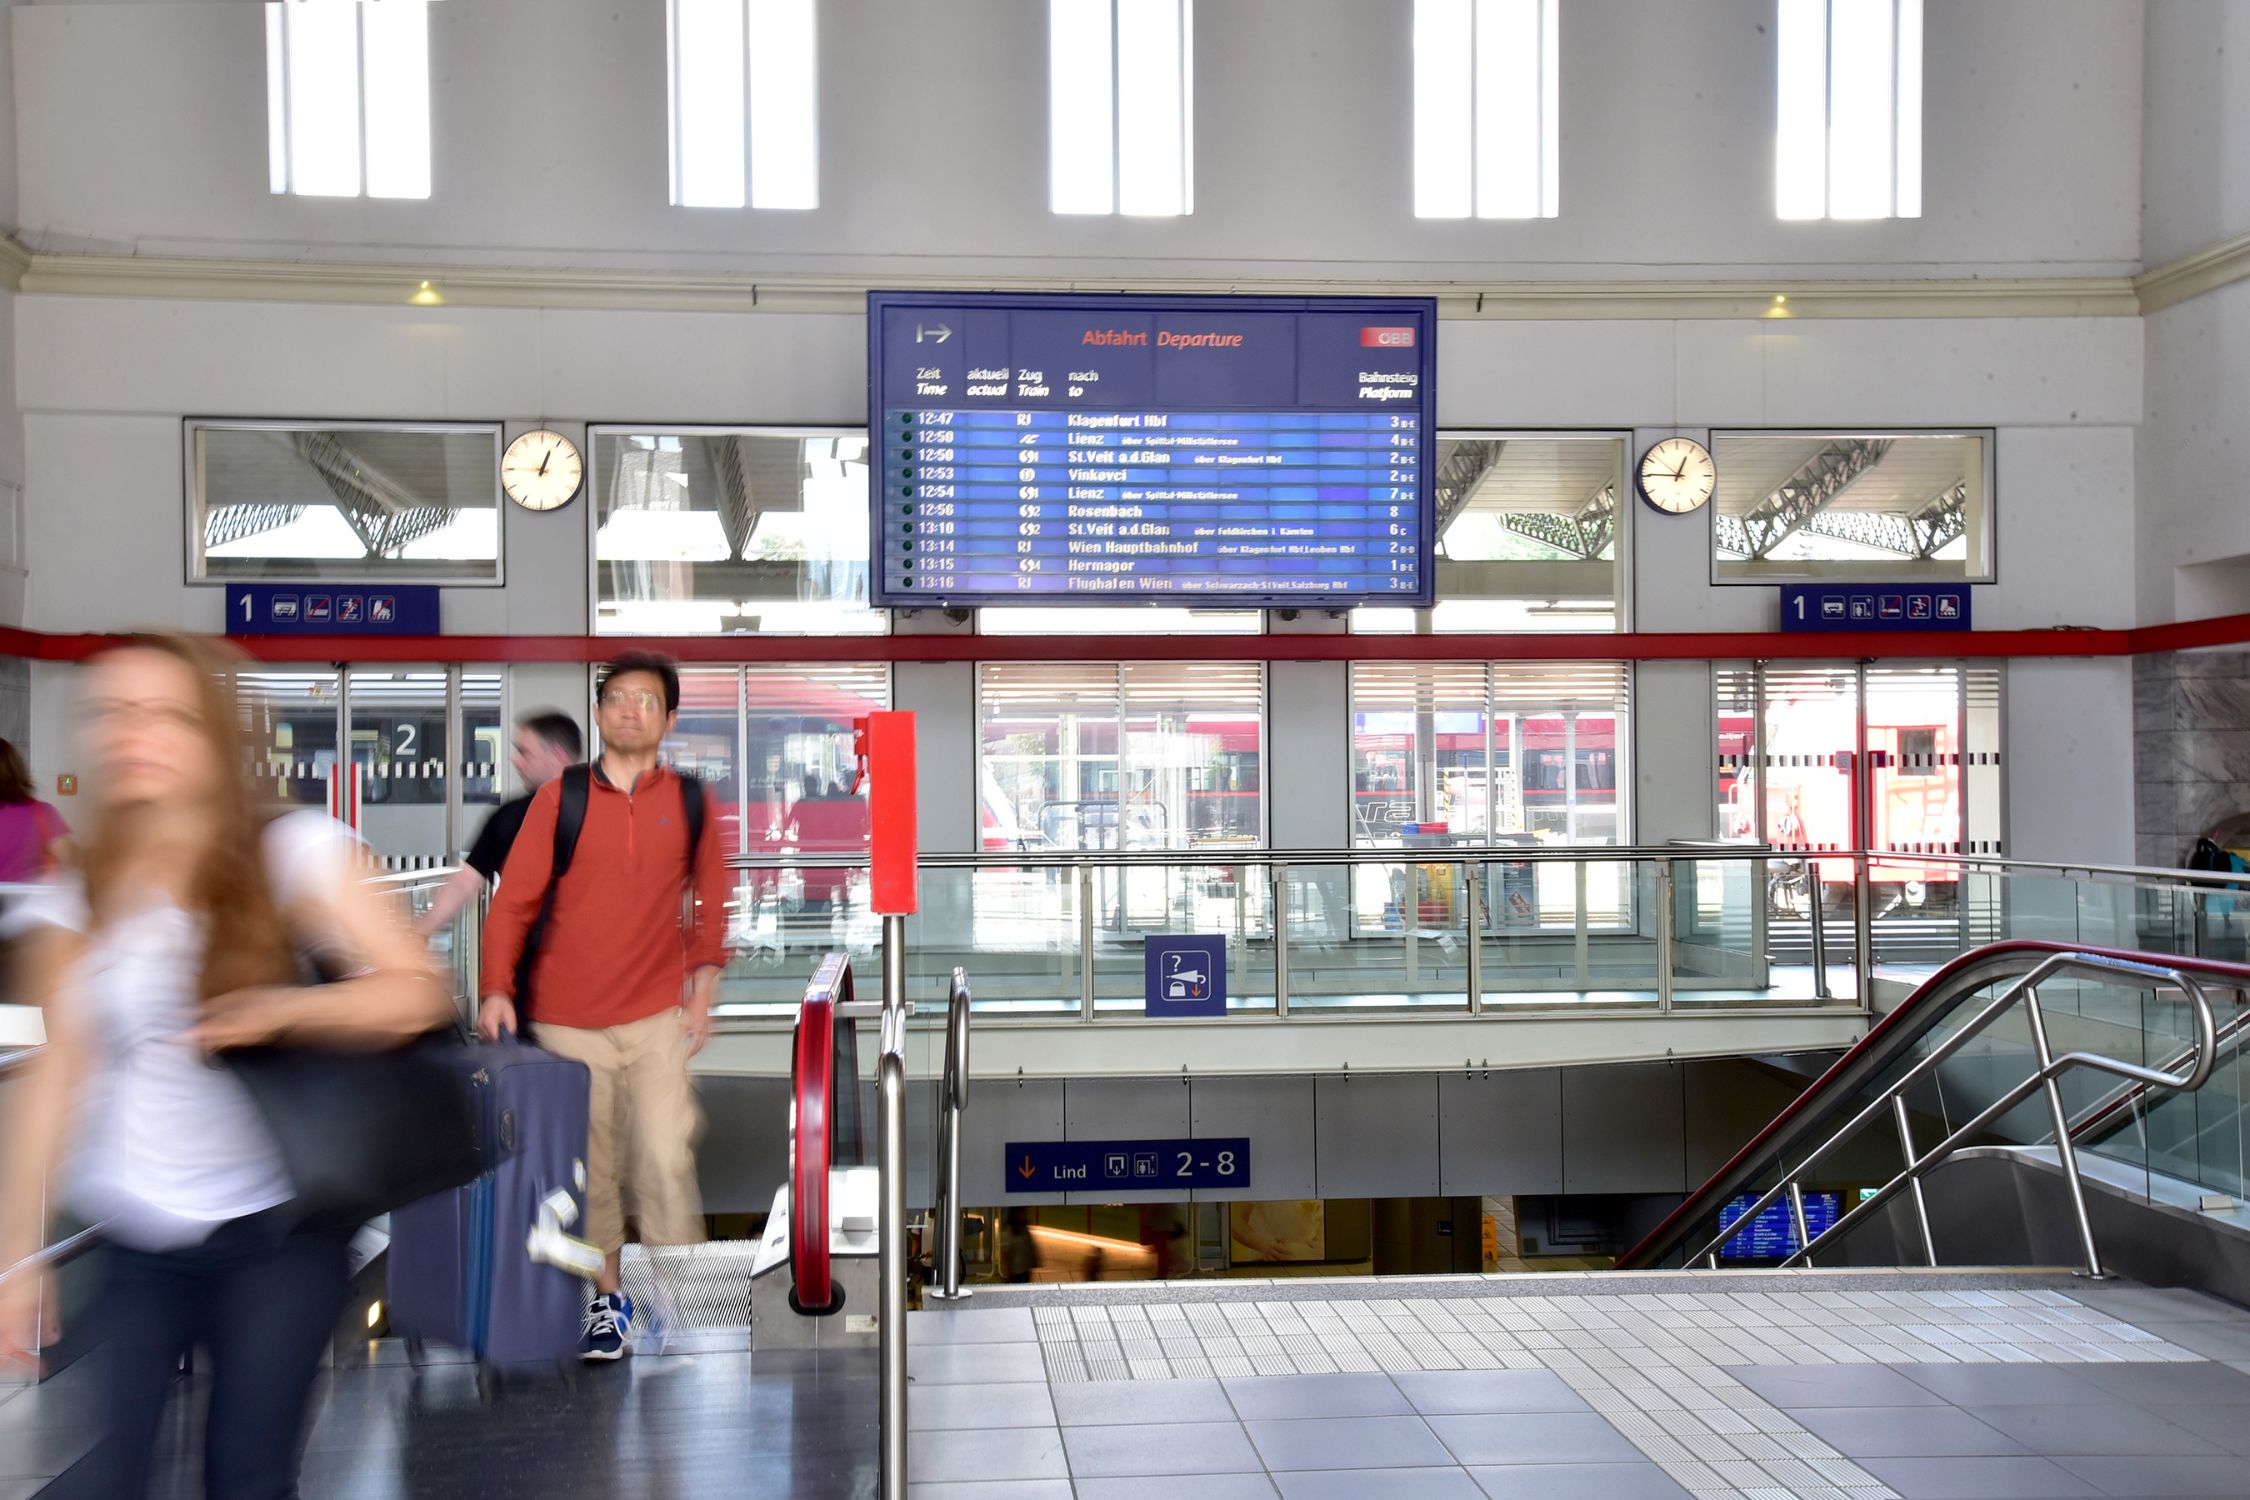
pixel 143 131
pixel 2195 160
pixel 2193 455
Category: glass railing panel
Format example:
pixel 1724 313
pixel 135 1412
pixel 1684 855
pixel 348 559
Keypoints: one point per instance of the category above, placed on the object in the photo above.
pixel 1378 934
pixel 780 922
pixel 1132 903
pixel 1792 889
pixel 1723 946
pixel 1015 929
pixel 1570 932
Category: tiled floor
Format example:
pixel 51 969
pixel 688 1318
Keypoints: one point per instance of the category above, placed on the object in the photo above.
pixel 1611 1388
pixel 1608 1388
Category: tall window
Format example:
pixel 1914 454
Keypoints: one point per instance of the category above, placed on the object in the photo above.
pixel 1121 106
pixel 716 530
pixel 1138 755
pixel 745 104
pixel 348 98
pixel 1485 106
pixel 1848 132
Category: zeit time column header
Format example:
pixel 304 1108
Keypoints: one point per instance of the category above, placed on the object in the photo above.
pixel 1229 451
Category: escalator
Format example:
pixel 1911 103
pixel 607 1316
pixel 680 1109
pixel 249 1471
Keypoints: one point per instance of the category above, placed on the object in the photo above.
pixel 2030 1103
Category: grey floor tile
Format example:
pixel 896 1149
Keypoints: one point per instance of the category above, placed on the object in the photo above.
pixel 2212 1340
pixel 1348 1443
pixel 1793 1386
pixel 970 1364
pixel 1534 1438
pixel 43 1452
pixel 2200 1382
pixel 1380 1484
pixel 1014 1489
pixel 1907 1432
pixel 2228 1426
pixel 1014 1403
pixel 1448 1391
pixel 1280 1396
pixel 1977 1478
pixel 2007 1385
pixel 1100 1403
pixel 1181 1487
pixel 1638 1481
pixel 2131 1304
pixel 2217 1478
pixel 1160 1449
pixel 2116 1430
pixel 972 1325
pixel 977 1455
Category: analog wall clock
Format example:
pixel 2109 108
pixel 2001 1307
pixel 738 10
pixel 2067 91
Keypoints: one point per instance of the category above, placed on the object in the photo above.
pixel 541 470
pixel 1677 475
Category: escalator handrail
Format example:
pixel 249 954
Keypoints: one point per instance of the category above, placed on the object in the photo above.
pixel 816 1094
pixel 1931 1002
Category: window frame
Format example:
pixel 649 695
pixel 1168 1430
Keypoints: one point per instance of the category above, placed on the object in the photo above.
pixel 281 90
pixel 1544 170
pixel 675 138
pixel 1874 570
pixel 192 508
pixel 1114 171
pixel 715 429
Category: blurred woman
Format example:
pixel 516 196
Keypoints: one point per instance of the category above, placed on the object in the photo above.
pixel 186 934
pixel 33 836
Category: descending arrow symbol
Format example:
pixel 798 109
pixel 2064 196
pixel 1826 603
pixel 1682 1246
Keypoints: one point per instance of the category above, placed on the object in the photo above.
pixel 1027 1171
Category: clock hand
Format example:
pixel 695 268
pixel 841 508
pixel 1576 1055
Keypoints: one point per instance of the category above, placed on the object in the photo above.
pixel 550 453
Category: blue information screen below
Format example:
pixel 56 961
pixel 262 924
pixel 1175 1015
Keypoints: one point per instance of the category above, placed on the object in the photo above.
pixel 1206 451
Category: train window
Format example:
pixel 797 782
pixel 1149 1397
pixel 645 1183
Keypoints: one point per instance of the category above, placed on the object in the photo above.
pixel 773 743
pixel 1901 507
pixel 343 501
pixel 714 531
pixel 1527 535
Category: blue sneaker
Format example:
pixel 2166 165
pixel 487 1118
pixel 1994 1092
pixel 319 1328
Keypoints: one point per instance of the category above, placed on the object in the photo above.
pixel 609 1323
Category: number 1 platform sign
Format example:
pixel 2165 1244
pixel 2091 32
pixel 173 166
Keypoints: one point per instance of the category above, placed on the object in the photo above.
pixel 332 609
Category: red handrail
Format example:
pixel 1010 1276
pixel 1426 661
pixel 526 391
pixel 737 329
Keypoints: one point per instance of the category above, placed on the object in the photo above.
pixel 1913 1014
pixel 813 1105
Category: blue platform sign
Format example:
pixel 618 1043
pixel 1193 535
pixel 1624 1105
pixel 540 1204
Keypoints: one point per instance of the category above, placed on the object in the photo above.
pixel 1135 1166
pixel 332 609
pixel 1874 607
pixel 1186 976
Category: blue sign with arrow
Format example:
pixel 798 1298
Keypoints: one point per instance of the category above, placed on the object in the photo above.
pixel 1104 1166
pixel 1186 976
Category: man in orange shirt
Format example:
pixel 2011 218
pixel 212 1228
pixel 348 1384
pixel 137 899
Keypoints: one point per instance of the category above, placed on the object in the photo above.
pixel 630 941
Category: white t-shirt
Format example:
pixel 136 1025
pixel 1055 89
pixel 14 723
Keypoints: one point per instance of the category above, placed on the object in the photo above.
pixel 166 1145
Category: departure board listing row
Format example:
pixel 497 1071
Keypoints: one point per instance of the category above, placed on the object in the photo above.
pixel 1229 451
pixel 1114 502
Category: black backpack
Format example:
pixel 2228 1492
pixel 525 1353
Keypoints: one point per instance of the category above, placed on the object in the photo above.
pixel 570 822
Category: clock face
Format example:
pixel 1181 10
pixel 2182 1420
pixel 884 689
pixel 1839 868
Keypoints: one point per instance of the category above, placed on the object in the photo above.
pixel 1677 475
pixel 541 470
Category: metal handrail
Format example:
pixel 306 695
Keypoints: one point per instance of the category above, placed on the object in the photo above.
pixel 2098 1113
pixel 890 1086
pixel 19 1059
pixel 1892 1101
pixel 1243 854
pixel 61 1253
pixel 953 1099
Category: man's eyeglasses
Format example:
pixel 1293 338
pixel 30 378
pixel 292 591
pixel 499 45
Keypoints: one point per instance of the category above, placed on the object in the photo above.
pixel 646 702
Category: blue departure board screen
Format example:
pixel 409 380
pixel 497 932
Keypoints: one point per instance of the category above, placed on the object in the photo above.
pixel 1773 1234
pixel 1215 452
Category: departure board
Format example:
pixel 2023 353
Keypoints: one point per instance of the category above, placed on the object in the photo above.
pixel 1773 1234
pixel 1215 452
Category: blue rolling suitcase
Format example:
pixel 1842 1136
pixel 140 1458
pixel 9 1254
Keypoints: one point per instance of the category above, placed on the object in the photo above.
pixel 460 1270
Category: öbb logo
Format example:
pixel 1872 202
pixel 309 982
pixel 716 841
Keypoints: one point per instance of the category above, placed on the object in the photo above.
pixel 1386 338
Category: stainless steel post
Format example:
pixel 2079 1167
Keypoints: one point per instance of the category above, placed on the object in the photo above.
pixel 1797 1216
pixel 1086 938
pixel 1280 904
pixel 1819 931
pixel 1472 882
pixel 1863 928
pixel 1664 935
pixel 956 1085
pixel 1921 1205
pixel 2065 1152
pixel 891 1324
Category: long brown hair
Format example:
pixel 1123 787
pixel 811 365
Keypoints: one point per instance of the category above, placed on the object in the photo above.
pixel 15 777
pixel 246 941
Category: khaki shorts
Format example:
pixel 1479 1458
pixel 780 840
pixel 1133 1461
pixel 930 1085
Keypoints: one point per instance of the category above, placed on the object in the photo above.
pixel 641 1147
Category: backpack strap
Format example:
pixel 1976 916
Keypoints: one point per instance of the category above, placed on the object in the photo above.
pixel 693 800
pixel 570 822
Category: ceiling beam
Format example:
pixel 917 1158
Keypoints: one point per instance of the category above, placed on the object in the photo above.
pixel 1806 493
